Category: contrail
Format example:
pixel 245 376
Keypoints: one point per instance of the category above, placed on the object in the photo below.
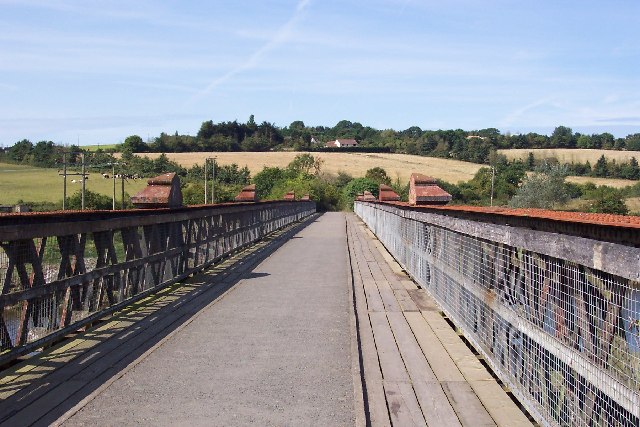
pixel 280 37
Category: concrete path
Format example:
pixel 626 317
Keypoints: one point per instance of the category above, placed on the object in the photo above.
pixel 275 350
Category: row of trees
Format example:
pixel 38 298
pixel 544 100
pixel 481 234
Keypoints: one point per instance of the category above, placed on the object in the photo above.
pixel 474 146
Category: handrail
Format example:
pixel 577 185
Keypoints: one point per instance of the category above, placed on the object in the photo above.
pixel 554 310
pixel 62 270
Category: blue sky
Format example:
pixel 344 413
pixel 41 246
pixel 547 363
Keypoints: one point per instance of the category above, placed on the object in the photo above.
pixel 98 71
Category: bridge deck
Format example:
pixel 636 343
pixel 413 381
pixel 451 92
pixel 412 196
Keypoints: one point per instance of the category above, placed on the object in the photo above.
pixel 417 370
pixel 269 337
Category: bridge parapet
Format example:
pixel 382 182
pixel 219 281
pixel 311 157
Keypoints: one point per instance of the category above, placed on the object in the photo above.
pixel 62 270
pixel 551 300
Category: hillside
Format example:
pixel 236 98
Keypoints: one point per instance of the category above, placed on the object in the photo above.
pixel 355 164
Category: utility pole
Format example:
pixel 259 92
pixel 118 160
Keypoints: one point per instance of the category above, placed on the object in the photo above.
pixel 205 180
pixel 64 185
pixel 213 180
pixel 122 188
pixel 493 178
pixel 113 178
pixel 84 178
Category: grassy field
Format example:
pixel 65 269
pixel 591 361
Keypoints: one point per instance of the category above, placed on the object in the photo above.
pixel 565 155
pixel 355 164
pixel 28 183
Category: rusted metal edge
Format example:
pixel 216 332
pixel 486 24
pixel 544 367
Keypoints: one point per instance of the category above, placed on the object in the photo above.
pixel 14 226
pixel 618 232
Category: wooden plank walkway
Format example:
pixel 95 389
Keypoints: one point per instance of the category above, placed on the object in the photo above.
pixel 416 369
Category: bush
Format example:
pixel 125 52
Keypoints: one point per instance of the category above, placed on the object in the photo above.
pixel 92 201
pixel 358 186
pixel 544 189
pixel 610 202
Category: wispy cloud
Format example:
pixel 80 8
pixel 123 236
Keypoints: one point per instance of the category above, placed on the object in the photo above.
pixel 518 114
pixel 280 37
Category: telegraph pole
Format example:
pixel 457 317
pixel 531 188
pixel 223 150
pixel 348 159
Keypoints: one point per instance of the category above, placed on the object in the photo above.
pixel 213 180
pixel 84 178
pixel 113 178
pixel 64 185
pixel 493 178
pixel 205 180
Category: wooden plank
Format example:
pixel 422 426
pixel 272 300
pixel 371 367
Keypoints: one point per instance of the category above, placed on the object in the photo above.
pixel 405 300
pixel 376 400
pixel 467 362
pixel 390 360
pixel 409 285
pixel 423 300
pixel 388 297
pixel 499 405
pixel 374 300
pixel 440 361
pixel 416 364
pixel 466 404
pixel 403 405
pixel 435 405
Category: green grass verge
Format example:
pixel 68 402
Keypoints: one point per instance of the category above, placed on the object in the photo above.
pixel 31 184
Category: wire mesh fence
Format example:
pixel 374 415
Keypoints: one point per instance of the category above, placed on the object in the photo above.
pixel 564 336
pixel 61 271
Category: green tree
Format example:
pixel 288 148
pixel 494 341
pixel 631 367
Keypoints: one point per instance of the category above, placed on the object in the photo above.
pixel 305 164
pixel 600 168
pixel 544 189
pixel 378 175
pixel 266 179
pixel 562 137
pixel 20 151
pixel 610 202
pixel 358 186
pixel 135 144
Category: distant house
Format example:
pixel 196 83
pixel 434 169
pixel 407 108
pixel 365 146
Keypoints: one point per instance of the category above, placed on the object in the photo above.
pixel 342 143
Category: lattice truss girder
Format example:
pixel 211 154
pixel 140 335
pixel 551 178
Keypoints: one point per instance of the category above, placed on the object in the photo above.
pixel 53 283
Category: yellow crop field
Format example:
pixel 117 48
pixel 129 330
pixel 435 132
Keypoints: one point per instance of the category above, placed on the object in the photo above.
pixel 355 164
pixel 566 155
pixel 611 182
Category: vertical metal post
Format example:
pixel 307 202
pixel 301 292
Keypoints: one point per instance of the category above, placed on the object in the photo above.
pixel 493 178
pixel 64 180
pixel 113 178
pixel 205 180
pixel 122 188
pixel 84 182
pixel 213 180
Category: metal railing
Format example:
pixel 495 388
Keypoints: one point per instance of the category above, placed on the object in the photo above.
pixel 60 271
pixel 556 315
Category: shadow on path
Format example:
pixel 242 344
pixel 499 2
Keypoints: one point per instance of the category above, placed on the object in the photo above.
pixel 68 375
